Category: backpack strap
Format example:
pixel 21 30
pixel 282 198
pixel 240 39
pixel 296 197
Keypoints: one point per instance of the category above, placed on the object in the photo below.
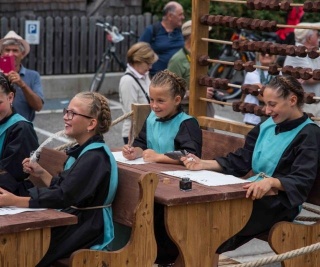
pixel 146 95
pixel 155 29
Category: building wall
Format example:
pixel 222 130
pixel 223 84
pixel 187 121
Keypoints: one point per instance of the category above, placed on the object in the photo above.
pixel 34 8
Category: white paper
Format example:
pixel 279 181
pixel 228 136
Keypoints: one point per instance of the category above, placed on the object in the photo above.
pixel 209 178
pixel 14 210
pixel 120 158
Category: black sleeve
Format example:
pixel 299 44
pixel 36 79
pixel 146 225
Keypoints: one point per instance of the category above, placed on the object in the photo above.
pixel 299 166
pixel 141 139
pixel 189 137
pixel 19 141
pixel 239 163
pixel 87 179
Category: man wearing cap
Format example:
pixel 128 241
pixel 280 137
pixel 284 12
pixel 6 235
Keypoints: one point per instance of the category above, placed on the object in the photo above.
pixel 29 94
pixel 309 38
pixel 165 37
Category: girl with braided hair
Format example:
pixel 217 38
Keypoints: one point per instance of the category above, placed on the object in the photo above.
pixel 168 127
pixel 283 153
pixel 85 188
pixel 17 140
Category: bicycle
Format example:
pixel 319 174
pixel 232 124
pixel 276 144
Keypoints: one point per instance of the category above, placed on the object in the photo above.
pixel 113 36
pixel 221 70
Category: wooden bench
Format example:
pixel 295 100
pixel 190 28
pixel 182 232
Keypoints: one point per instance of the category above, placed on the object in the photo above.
pixel 288 236
pixel 132 214
pixel 215 144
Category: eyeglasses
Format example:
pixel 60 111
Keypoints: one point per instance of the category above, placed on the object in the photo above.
pixel 71 113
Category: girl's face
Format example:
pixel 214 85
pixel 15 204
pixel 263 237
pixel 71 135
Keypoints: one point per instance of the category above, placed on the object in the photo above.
pixel 77 121
pixel 279 108
pixel 5 105
pixel 142 67
pixel 162 102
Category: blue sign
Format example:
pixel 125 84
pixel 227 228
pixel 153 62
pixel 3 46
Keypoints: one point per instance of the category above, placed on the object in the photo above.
pixel 32 28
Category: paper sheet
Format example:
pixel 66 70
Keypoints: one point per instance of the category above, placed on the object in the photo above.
pixel 209 178
pixel 118 156
pixel 14 210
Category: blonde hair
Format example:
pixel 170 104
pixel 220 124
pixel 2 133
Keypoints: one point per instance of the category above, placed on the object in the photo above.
pixel 98 108
pixel 141 52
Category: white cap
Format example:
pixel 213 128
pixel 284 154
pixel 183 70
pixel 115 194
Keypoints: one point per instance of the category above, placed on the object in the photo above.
pixel 301 34
pixel 13 36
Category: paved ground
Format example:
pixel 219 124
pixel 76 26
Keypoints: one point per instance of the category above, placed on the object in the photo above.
pixel 49 121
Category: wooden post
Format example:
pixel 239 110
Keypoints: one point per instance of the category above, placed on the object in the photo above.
pixel 198 47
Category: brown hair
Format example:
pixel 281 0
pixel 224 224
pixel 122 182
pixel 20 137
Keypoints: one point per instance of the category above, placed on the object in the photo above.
pixel 5 86
pixel 98 108
pixel 287 84
pixel 166 78
pixel 141 52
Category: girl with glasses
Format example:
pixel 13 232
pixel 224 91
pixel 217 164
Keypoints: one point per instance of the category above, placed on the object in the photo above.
pixel 86 187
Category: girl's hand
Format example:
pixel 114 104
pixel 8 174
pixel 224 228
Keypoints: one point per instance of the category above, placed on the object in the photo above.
pixel 7 198
pixel 150 155
pixel 257 190
pixel 192 162
pixel 33 168
pixel 129 152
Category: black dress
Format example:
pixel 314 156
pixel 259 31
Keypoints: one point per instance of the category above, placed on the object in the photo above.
pixel 85 184
pixel 20 139
pixel 189 137
pixel 296 170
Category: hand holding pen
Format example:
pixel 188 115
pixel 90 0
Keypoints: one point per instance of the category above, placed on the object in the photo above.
pixel 128 152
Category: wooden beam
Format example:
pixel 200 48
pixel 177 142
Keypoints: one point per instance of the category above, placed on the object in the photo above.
pixel 224 125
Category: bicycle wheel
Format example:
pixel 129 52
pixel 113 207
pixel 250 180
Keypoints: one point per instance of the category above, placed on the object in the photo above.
pixel 99 76
pixel 228 72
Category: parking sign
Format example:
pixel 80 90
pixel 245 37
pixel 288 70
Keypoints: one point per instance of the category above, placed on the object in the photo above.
pixel 32 31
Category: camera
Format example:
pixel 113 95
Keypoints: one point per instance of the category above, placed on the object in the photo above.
pixel 185 184
pixel 218 96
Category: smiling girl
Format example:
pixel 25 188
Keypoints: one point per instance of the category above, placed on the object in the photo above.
pixel 168 127
pixel 85 188
pixel 283 153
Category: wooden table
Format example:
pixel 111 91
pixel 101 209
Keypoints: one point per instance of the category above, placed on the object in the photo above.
pixel 25 237
pixel 198 221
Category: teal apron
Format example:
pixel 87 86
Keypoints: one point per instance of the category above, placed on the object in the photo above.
pixel 161 134
pixel 4 127
pixel 270 147
pixel 107 211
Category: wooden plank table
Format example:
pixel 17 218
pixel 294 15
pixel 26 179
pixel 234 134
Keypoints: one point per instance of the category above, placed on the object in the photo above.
pixel 25 237
pixel 198 221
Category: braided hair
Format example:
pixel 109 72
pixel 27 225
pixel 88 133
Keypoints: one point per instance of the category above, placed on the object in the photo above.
pixel 5 86
pixel 287 84
pixel 98 108
pixel 175 83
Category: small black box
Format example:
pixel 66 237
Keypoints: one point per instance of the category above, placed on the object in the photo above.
pixel 185 184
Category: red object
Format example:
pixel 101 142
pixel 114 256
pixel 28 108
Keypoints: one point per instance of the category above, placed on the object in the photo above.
pixel 294 17
pixel 7 64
